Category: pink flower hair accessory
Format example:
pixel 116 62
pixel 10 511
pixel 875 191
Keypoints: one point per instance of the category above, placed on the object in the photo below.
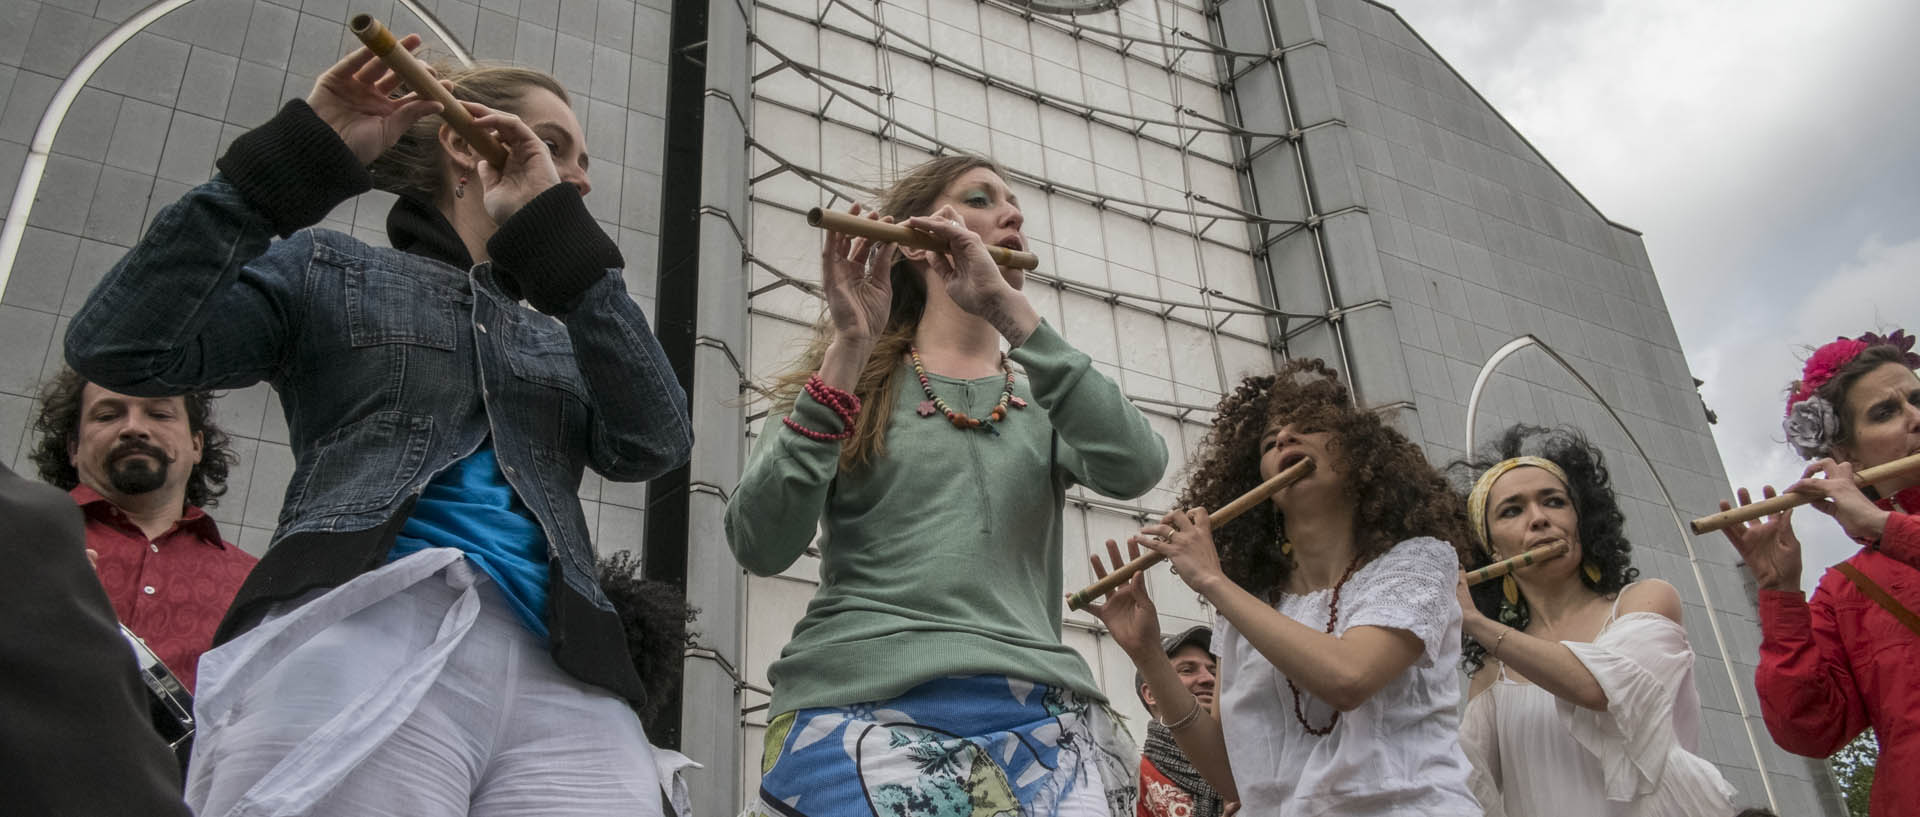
pixel 1811 423
pixel 1821 367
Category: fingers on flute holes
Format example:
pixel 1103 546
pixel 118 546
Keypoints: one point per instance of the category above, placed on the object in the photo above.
pixel 370 72
pixel 353 61
pixel 390 85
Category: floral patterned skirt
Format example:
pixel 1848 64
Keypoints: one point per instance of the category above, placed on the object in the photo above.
pixel 978 746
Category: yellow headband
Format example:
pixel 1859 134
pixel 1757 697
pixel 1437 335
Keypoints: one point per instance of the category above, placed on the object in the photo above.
pixel 1477 501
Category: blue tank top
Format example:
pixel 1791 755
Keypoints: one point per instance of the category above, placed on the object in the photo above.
pixel 471 507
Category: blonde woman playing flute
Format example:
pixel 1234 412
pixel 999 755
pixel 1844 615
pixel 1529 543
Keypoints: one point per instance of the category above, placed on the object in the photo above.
pixel 929 673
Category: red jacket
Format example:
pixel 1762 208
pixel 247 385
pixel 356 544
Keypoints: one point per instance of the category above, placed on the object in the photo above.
pixel 1831 667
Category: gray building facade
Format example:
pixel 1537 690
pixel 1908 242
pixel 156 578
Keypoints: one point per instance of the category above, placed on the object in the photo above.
pixel 1211 186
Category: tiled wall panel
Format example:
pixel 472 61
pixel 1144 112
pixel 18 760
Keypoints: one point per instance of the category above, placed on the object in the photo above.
pixel 150 122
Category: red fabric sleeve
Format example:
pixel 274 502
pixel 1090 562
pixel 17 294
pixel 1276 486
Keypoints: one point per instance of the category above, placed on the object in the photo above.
pixel 1808 697
pixel 1901 539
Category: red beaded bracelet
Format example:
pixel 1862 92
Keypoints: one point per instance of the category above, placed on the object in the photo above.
pixel 845 405
pixel 819 436
pixel 842 403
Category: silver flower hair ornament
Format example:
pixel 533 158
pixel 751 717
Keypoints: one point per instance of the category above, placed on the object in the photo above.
pixel 1811 426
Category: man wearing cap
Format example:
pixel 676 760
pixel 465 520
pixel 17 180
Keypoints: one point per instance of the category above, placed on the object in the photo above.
pixel 1169 785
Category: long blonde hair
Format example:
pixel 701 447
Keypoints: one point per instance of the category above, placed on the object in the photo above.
pixel 913 194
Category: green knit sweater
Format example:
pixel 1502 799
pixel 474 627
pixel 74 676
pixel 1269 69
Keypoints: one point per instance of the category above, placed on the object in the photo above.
pixel 943 557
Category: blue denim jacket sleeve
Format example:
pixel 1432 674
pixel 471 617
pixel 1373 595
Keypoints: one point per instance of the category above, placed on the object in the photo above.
pixel 206 300
pixel 640 424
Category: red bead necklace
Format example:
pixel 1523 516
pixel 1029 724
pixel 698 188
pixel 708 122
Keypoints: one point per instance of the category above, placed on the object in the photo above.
pixel 1333 614
pixel 959 419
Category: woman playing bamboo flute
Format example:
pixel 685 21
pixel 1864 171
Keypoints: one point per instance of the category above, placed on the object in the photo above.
pixel 928 672
pixel 1840 662
pixel 1588 708
pixel 1337 630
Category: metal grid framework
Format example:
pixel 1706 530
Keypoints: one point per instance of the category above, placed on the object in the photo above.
pixel 1132 191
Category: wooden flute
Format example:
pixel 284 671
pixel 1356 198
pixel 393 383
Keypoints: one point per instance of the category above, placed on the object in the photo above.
pixel 1527 559
pixel 1904 467
pixel 383 45
pixel 1247 501
pixel 864 227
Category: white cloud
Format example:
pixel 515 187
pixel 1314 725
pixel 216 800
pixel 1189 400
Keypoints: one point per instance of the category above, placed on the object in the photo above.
pixel 1765 150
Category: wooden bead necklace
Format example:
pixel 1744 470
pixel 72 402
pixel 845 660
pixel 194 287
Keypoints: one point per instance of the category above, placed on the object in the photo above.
pixel 1333 614
pixel 960 420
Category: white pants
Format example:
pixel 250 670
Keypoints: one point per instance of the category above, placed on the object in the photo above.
pixel 412 690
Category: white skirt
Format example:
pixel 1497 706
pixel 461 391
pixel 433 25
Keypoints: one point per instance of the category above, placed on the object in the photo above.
pixel 414 690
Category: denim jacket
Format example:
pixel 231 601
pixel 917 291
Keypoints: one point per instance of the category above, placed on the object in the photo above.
pixel 393 365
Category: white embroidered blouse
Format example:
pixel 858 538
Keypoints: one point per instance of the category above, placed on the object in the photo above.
pixel 1396 755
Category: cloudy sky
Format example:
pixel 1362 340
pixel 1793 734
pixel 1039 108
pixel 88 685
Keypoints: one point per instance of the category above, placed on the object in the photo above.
pixel 1769 150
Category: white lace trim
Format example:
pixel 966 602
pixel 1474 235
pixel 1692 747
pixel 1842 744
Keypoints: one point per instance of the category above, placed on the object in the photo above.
pixel 1408 588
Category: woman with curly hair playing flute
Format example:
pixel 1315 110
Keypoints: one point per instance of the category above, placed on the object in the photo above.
pixel 928 676
pixel 1590 708
pixel 1848 658
pixel 1337 629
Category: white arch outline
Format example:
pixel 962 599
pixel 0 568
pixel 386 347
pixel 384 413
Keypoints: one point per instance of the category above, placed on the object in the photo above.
pixel 1679 524
pixel 34 169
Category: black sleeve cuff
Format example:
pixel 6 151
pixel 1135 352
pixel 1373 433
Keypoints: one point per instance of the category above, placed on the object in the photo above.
pixel 552 250
pixel 294 168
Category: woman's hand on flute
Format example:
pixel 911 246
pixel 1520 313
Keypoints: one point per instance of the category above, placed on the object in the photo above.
pixel 857 276
pixel 1128 611
pixel 1472 621
pixel 1769 546
pixel 529 171
pixel 973 280
pixel 1836 494
pixel 1186 539
pixel 1464 594
pixel 353 98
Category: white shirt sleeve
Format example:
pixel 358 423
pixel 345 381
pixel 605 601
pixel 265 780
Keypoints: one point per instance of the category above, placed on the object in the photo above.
pixel 1410 587
pixel 1638 661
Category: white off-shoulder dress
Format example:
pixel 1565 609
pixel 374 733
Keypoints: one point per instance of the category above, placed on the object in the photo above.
pixel 1535 754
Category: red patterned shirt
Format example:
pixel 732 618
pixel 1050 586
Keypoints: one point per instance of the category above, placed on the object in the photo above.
pixel 171 591
pixel 1159 796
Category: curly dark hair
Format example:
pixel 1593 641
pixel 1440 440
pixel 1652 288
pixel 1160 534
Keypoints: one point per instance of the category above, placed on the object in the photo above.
pixel 1399 494
pixel 59 424
pixel 1602 527
pixel 655 615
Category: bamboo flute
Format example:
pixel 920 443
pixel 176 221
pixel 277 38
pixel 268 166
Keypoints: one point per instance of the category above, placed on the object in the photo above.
pixel 853 225
pixel 1247 501
pixel 385 46
pixel 1905 466
pixel 1527 559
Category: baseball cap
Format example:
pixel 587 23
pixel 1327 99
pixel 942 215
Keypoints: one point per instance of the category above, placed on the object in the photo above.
pixel 1199 635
